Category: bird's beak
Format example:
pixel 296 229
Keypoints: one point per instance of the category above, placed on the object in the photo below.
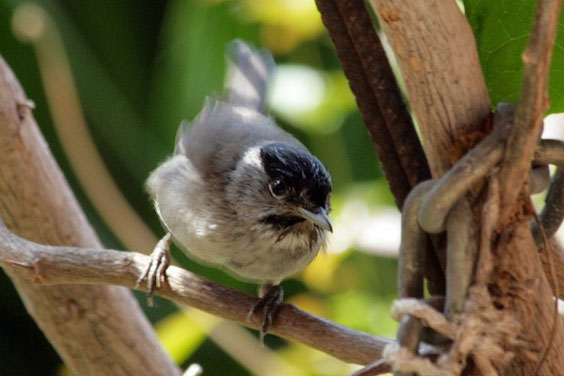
pixel 319 217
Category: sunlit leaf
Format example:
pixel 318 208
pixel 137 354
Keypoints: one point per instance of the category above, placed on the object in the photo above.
pixel 502 30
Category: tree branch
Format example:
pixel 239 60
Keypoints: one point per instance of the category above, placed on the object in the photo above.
pixel 436 53
pixel 437 56
pixel 532 105
pixel 382 107
pixel 378 96
pixel 48 265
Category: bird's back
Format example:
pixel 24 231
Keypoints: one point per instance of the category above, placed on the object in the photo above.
pixel 229 125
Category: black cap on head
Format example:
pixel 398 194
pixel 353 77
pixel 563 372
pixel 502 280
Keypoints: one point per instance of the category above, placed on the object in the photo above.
pixel 300 171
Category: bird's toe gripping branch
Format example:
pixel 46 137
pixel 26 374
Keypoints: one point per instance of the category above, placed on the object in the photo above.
pixel 440 205
pixel 155 272
pixel 271 299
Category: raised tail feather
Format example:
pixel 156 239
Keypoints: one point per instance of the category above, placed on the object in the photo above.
pixel 248 72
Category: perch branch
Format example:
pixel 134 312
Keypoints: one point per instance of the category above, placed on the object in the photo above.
pixel 48 265
pixel 531 107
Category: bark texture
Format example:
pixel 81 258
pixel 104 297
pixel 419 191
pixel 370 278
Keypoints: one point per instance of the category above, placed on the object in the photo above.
pixel 97 330
pixel 436 52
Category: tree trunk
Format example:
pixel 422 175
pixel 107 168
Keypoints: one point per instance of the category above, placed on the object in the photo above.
pixel 97 330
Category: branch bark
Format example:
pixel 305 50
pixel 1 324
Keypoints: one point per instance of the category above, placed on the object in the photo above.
pixel 384 112
pixel 531 107
pixel 436 53
pixel 49 265
pixel 377 94
pixel 96 329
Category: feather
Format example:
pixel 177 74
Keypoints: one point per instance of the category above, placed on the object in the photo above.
pixel 248 73
pixel 221 133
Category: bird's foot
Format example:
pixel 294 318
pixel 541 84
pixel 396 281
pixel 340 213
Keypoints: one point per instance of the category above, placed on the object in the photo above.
pixel 155 272
pixel 271 298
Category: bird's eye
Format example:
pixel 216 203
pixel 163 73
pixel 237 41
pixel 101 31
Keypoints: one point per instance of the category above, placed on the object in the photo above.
pixel 277 188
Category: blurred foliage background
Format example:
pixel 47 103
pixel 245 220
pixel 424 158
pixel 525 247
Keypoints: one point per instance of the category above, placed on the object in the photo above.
pixel 139 68
pixel 111 81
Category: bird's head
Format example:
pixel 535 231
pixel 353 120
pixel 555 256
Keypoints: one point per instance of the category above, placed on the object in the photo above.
pixel 280 185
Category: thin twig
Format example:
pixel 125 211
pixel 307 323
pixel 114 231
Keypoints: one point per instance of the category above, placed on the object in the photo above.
pixel 555 255
pixel 467 171
pixel 413 244
pixel 461 256
pixel 532 105
pixel 48 265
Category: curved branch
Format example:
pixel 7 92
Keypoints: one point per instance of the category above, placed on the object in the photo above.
pixel 49 265
pixel 466 172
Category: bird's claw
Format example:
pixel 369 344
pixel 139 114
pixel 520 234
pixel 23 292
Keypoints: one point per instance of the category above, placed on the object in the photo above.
pixel 155 272
pixel 270 303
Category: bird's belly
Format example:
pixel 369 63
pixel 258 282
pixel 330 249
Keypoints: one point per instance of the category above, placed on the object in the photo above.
pixel 272 262
pixel 254 256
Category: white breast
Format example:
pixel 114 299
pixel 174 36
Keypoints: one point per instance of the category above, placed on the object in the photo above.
pixel 185 206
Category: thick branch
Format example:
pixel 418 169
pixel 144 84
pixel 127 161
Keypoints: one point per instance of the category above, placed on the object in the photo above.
pixel 48 265
pixel 96 329
pixel 384 112
pixel 531 107
pixel 378 96
pixel 554 258
pixel 437 55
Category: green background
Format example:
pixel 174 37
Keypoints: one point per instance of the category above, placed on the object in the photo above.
pixel 140 67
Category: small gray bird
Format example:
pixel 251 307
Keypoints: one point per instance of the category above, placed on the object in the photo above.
pixel 239 192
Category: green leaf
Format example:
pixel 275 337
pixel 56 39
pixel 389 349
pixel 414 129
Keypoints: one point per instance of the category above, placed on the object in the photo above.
pixel 502 30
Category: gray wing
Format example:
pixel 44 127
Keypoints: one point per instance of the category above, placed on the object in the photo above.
pixel 223 130
pixel 216 139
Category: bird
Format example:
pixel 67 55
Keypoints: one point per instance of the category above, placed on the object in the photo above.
pixel 240 193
